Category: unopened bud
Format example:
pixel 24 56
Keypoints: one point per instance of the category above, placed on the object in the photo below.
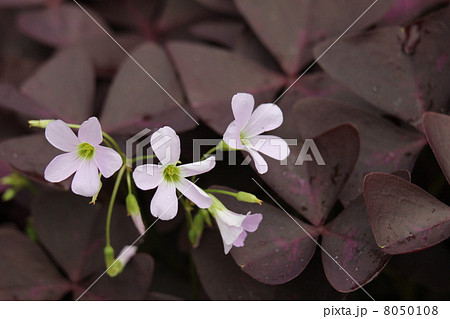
pixel 9 194
pixel 132 205
pixel 248 198
pixel 39 123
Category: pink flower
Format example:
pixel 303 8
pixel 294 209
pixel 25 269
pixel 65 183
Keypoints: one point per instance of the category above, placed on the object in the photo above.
pixel 244 132
pixel 169 177
pixel 233 227
pixel 84 156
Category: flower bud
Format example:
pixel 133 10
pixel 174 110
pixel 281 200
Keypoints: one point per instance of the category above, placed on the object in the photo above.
pixel 132 205
pixel 9 194
pixel 248 198
pixel 124 257
pixel 39 123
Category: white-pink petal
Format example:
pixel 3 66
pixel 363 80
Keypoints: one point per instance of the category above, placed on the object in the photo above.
pixel 138 223
pixel 107 160
pixel 194 193
pixel 229 233
pixel 166 145
pixel 61 167
pixel 197 168
pixel 230 218
pixel 226 247
pixel 126 254
pixel 260 162
pixel 61 136
pixel 232 136
pixel 239 242
pixel 266 117
pixel 164 203
pixel 251 222
pixel 242 105
pixel 86 181
pixel 271 145
pixel 91 132
pixel 148 176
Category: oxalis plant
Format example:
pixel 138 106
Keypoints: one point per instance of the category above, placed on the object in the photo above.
pixel 355 188
pixel 89 161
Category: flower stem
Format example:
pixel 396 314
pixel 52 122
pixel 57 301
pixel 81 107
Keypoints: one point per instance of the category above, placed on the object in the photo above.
pixel 209 152
pixel 209 190
pixel 111 204
pixel 133 160
pixel 129 181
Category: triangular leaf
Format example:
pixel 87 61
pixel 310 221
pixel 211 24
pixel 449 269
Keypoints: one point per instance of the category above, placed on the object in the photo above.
pixel 134 99
pixel 211 76
pixel 290 28
pixel 61 26
pixel 437 130
pixel 404 218
pixel 385 147
pixel 401 70
pixel 349 240
pixel 312 189
pixel 27 273
pixel 64 85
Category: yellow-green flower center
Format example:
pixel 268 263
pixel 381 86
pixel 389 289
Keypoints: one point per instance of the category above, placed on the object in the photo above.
pixel 244 139
pixel 171 173
pixel 86 151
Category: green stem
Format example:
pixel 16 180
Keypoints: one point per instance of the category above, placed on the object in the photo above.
pixel 221 192
pixel 129 181
pixel 209 152
pixel 112 141
pixel 133 160
pixel 111 204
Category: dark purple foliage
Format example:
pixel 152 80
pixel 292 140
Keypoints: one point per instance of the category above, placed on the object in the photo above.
pixel 376 105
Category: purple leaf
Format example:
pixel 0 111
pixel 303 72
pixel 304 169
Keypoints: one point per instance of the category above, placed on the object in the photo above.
pixel 404 218
pixel 320 85
pixel 405 10
pixel 30 155
pixel 385 147
pixel 227 281
pixel 20 3
pixel 177 13
pixel 64 85
pixel 105 54
pixel 135 100
pixel 310 188
pixel 437 130
pixel 137 274
pixel 73 232
pixel 289 29
pixel 222 6
pixel 61 26
pixel 349 241
pixel 27 273
pixel 221 32
pixel 13 100
pixel 211 76
pixel 394 68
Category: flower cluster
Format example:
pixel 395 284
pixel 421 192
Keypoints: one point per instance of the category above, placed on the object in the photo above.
pixel 84 158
